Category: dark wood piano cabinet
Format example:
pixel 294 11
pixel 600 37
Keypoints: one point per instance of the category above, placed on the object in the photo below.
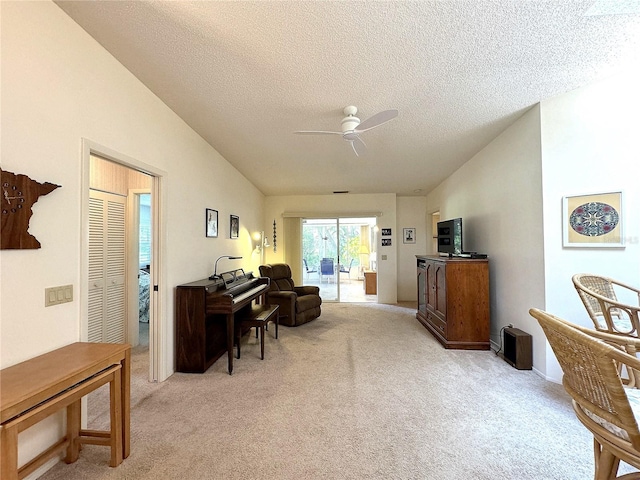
pixel 205 316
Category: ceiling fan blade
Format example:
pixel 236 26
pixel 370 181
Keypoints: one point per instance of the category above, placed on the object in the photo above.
pixel 359 147
pixel 316 132
pixel 377 120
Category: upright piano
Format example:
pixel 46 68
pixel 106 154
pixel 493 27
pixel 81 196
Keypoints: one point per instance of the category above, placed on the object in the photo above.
pixel 205 313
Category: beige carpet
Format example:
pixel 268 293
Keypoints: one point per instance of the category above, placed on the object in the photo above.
pixel 363 392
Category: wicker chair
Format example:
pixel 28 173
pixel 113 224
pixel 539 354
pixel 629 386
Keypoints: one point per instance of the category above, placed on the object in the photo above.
pixel 598 294
pixel 605 396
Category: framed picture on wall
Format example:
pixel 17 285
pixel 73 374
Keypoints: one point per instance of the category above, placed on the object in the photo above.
pixel 409 235
pixel 211 219
pixel 386 242
pixel 235 226
pixel 593 220
pixel 386 232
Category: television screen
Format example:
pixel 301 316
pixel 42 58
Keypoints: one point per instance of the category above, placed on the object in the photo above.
pixel 450 236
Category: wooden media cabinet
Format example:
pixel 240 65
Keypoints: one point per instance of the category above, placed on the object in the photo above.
pixel 453 300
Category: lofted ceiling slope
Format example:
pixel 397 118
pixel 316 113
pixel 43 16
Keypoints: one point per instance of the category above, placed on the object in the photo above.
pixel 246 74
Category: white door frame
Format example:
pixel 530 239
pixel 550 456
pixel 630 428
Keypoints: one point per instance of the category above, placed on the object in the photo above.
pixel 157 322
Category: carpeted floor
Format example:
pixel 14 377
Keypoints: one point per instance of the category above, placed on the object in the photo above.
pixel 363 392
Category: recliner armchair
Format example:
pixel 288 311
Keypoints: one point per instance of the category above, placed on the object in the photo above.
pixel 298 305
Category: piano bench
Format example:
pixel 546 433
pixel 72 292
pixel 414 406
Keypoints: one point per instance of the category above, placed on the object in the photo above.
pixel 258 317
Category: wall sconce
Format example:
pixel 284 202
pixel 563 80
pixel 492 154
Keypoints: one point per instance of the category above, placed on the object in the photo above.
pixel 261 241
pixel 261 244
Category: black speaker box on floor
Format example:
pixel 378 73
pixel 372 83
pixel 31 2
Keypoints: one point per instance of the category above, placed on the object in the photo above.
pixel 518 349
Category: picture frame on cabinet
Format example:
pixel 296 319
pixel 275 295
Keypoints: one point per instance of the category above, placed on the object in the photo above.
pixel 211 225
pixel 593 220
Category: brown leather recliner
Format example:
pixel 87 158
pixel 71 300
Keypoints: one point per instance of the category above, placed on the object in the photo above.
pixel 298 305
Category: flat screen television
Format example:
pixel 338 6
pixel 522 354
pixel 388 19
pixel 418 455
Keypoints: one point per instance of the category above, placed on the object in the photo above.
pixel 450 237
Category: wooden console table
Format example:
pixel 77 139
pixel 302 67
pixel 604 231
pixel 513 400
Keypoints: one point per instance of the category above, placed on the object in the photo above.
pixel 32 390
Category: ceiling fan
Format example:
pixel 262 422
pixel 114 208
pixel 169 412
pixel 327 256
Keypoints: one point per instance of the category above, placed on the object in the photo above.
pixel 352 128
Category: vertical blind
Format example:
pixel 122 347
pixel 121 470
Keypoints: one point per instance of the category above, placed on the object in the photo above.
pixel 293 247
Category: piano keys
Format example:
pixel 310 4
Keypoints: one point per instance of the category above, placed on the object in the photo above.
pixel 205 317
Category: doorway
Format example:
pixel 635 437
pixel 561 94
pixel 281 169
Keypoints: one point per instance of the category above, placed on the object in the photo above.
pixel 336 253
pixel 144 229
pixel 139 244
pixel 106 170
pixel 435 218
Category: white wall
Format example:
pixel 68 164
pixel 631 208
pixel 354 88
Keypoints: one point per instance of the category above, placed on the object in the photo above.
pixel 351 205
pixel 510 197
pixel 498 194
pixel 411 213
pixel 590 144
pixel 59 86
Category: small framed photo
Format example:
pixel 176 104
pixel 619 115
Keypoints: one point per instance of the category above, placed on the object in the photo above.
pixel 211 226
pixel 593 220
pixel 235 226
pixel 408 235
pixel 386 232
pixel 386 242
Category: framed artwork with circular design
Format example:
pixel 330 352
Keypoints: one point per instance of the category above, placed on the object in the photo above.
pixel 593 220
pixel 19 193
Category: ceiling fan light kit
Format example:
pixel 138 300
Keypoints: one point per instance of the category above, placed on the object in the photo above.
pixel 350 122
pixel 352 127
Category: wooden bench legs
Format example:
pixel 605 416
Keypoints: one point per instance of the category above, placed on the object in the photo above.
pixel 70 444
pixel 259 317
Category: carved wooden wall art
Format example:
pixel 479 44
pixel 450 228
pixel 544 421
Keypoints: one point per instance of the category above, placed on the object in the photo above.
pixel 19 193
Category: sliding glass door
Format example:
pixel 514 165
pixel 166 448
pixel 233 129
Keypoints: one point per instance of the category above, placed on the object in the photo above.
pixel 336 252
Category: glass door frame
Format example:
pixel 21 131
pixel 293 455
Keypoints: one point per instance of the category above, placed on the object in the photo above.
pixel 349 251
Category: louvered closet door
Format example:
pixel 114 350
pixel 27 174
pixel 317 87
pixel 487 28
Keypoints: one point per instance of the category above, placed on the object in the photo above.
pixel 107 295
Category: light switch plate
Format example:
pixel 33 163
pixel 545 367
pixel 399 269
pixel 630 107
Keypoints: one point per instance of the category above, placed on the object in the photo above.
pixel 58 295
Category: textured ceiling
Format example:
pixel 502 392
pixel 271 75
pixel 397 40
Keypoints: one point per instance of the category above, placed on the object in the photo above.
pixel 246 74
